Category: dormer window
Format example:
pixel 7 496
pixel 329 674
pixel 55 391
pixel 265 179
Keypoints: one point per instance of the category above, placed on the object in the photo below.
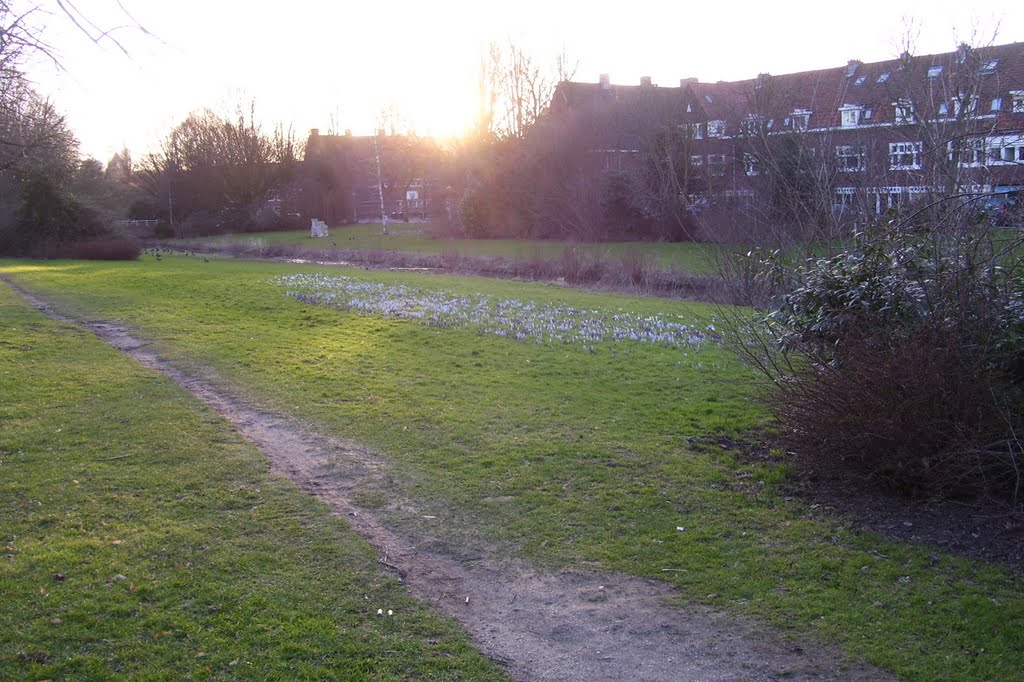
pixel 708 99
pixel 935 71
pixel 860 80
pixel 800 119
pixel 904 110
pixel 716 128
pixel 884 77
pixel 1017 99
pixel 964 106
pixel 989 67
pixel 850 115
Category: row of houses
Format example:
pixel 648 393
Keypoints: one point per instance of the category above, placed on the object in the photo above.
pixel 863 137
pixel 877 134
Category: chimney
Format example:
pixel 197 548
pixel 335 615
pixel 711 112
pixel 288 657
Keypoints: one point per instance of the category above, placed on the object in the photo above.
pixel 645 81
pixel 961 53
pixel 348 132
pixel 683 82
pixel 314 132
pixel 605 81
pixel 852 66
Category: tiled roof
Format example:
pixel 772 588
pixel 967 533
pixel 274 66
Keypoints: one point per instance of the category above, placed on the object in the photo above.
pixel 987 73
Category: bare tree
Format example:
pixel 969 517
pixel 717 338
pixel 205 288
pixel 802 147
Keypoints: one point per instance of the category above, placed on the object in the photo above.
pixel 220 170
pixel 516 88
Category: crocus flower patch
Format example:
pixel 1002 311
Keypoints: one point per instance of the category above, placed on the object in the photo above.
pixel 510 318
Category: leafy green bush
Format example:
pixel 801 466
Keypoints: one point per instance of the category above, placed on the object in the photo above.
pixel 902 358
pixel 45 218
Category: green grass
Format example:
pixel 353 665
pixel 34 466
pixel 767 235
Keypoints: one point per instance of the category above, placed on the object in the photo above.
pixel 685 256
pixel 179 556
pixel 563 456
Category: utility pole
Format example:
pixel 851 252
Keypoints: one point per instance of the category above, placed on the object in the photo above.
pixel 380 183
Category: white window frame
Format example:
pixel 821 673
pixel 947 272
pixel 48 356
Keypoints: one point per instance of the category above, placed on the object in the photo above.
pixel 973 153
pixel 903 112
pixel 716 128
pixel 801 119
pixel 965 105
pixel 845 196
pixel 1017 99
pixel 857 152
pixel 850 115
pixel 905 155
pixel 750 164
pixel 696 160
pixel 752 124
pixel 1006 150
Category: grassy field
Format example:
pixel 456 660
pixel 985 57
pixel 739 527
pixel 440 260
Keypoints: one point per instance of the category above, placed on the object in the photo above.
pixel 595 456
pixel 143 539
pixel 685 256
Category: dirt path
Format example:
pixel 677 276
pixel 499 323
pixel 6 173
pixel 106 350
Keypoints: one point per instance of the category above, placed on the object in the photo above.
pixel 569 625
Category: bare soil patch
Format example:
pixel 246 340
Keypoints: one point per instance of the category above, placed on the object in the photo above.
pixel 564 625
pixel 977 529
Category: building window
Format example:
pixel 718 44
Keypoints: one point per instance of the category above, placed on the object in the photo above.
pixel 904 110
pixel 750 163
pixel 997 104
pixel 850 116
pixel 943 109
pixel 1017 98
pixel 753 124
pixel 935 72
pixel 964 106
pixel 1005 149
pixel 989 67
pixel 884 77
pixel 800 119
pixel 716 128
pixel 845 196
pixel 905 155
pixel 696 130
pixel 716 164
pixel 970 152
pixel 851 157
pixel 860 80
pixel 696 160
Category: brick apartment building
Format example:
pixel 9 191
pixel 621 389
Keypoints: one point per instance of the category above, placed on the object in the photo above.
pixel 877 136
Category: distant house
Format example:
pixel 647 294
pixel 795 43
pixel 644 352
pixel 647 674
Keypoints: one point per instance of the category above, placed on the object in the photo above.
pixel 345 177
pixel 879 135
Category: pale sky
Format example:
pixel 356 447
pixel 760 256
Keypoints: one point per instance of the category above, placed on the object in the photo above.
pixel 320 65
